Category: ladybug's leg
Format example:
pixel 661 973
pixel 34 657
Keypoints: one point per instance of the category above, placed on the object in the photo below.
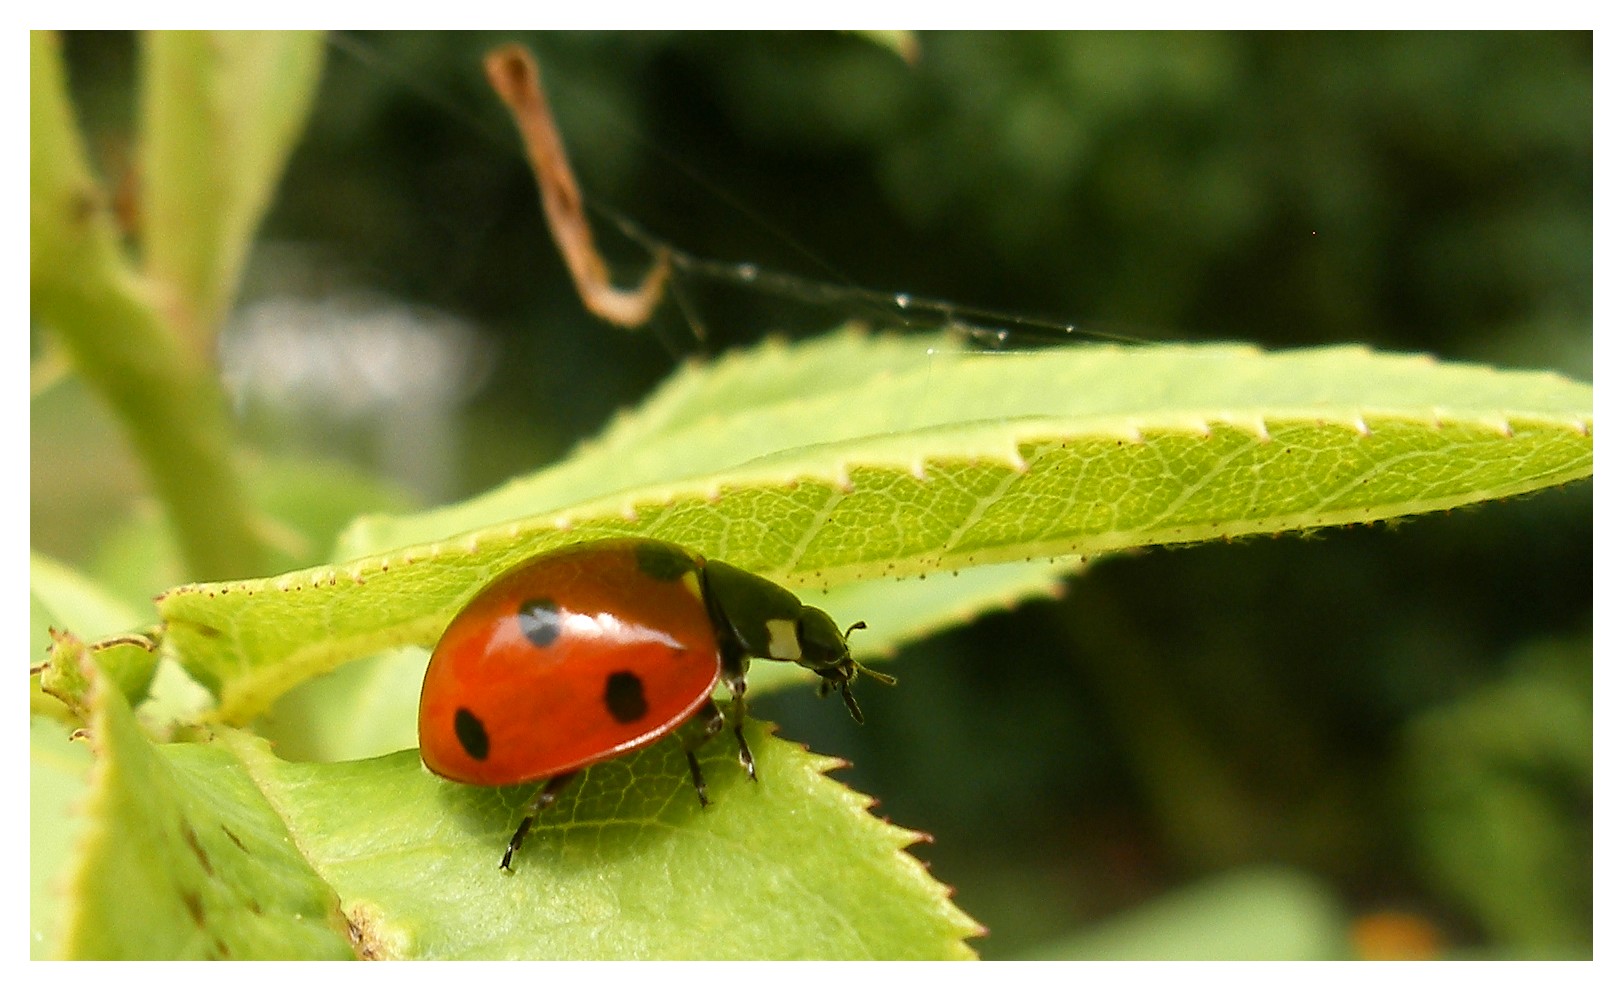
pixel 710 722
pixel 735 664
pixel 744 756
pixel 543 798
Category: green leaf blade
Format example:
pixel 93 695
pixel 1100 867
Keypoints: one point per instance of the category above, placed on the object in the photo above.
pixel 181 858
pixel 57 771
pixel 932 461
pixel 626 865
pixel 1256 913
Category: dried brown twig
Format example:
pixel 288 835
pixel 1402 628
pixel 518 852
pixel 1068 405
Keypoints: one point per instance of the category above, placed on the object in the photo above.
pixel 512 72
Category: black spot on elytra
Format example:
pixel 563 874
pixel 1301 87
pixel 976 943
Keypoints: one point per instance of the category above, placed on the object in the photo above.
pixel 540 621
pixel 662 562
pixel 622 694
pixel 470 732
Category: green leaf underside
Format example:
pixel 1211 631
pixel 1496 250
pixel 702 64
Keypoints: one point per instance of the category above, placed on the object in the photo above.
pixel 625 866
pixel 855 458
pixel 183 859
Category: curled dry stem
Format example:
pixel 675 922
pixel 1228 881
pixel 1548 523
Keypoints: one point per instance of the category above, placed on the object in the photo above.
pixel 512 72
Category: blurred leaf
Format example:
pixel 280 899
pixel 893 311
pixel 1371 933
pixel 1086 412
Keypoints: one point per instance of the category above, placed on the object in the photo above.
pixel 1503 785
pixel 364 709
pixel 58 767
pixel 301 505
pixel 905 44
pixel 1254 914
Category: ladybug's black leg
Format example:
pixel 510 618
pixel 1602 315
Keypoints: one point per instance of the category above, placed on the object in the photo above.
pixel 543 798
pixel 735 664
pixel 710 721
pixel 744 756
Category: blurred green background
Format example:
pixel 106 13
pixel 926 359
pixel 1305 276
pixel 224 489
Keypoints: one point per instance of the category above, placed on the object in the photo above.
pixel 1364 742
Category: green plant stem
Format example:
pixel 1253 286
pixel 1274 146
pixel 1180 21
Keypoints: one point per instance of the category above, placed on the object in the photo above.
pixel 219 112
pixel 114 325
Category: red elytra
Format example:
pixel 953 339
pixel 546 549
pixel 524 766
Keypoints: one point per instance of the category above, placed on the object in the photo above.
pixel 543 709
pixel 598 649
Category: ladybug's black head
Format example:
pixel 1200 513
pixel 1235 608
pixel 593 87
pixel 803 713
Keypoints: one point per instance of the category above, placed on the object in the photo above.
pixel 823 649
pixel 754 617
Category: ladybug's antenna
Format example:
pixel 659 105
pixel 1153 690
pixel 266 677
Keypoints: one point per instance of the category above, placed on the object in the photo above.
pixel 856 666
pixel 879 676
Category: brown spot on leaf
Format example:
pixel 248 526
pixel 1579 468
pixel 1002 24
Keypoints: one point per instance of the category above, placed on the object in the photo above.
pixel 194 906
pixel 364 935
pixel 192 841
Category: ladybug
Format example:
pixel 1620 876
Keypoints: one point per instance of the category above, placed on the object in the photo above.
pixel 594 650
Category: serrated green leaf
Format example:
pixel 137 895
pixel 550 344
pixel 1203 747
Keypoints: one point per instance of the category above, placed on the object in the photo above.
pixel 625 866
pixel 1492 779
pixel 857 457
pixel 821 410
pixel 181 858
pixel 219 849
